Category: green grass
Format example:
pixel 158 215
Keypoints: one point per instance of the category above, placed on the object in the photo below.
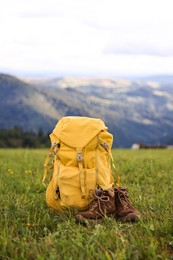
pixel 29 230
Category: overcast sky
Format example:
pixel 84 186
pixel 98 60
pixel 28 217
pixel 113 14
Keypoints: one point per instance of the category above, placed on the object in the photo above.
pixel 99 38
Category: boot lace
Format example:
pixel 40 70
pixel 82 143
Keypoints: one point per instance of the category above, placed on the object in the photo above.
pixel 98 201
pixel 124 198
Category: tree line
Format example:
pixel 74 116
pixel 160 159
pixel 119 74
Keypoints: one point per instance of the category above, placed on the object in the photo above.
pixel 18 138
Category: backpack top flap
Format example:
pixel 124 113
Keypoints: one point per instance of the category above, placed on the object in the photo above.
pixel 76 131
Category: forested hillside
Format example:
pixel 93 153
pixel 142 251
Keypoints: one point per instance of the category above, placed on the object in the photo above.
pixel 134 111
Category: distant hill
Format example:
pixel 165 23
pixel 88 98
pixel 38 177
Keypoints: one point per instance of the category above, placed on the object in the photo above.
pixel 162 79
pixel 134 111
pixel 33 107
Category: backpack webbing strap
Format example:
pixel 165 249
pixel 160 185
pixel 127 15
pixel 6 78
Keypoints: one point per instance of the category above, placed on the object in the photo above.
pixel 49 155
pixel 116 171
pixel 81 171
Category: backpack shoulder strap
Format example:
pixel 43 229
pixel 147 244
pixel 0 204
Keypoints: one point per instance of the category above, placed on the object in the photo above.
pixel 116 171
pixel 46 162
pixel 106 146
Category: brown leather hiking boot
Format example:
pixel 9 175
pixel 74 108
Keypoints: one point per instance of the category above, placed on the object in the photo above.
pixel 103 204
pixel 125 212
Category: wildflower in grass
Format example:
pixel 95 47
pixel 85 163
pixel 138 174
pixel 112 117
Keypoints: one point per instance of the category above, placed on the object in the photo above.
pixel 10 171
pixel 29 225
pixel 28 171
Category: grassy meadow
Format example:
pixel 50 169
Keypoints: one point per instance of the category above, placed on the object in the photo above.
pixel 29 230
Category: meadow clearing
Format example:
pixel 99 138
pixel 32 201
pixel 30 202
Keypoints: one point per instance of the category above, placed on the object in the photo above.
pixel 29 230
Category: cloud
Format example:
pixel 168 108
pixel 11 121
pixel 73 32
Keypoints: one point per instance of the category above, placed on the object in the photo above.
pixel 93 37
pixel 140 41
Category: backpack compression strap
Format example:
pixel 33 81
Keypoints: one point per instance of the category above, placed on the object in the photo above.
pixel 81 170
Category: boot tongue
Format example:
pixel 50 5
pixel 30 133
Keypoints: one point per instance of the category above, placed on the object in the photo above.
pixel 98 192
pixel 107 194
pixel 111 193
pixel 104 194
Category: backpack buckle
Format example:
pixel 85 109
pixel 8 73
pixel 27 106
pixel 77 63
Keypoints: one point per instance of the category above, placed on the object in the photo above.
pixel 105 145
pixel 79 157
pixel 53 145
pixel 51 155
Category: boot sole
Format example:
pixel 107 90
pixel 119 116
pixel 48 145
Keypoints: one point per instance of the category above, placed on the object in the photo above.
pixel 80 219
pixel 131 217
pixel 85 222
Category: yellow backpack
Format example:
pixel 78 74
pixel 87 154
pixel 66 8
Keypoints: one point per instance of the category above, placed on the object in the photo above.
pixel 81 150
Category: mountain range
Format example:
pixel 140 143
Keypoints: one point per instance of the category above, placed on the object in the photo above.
pixel 135 111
